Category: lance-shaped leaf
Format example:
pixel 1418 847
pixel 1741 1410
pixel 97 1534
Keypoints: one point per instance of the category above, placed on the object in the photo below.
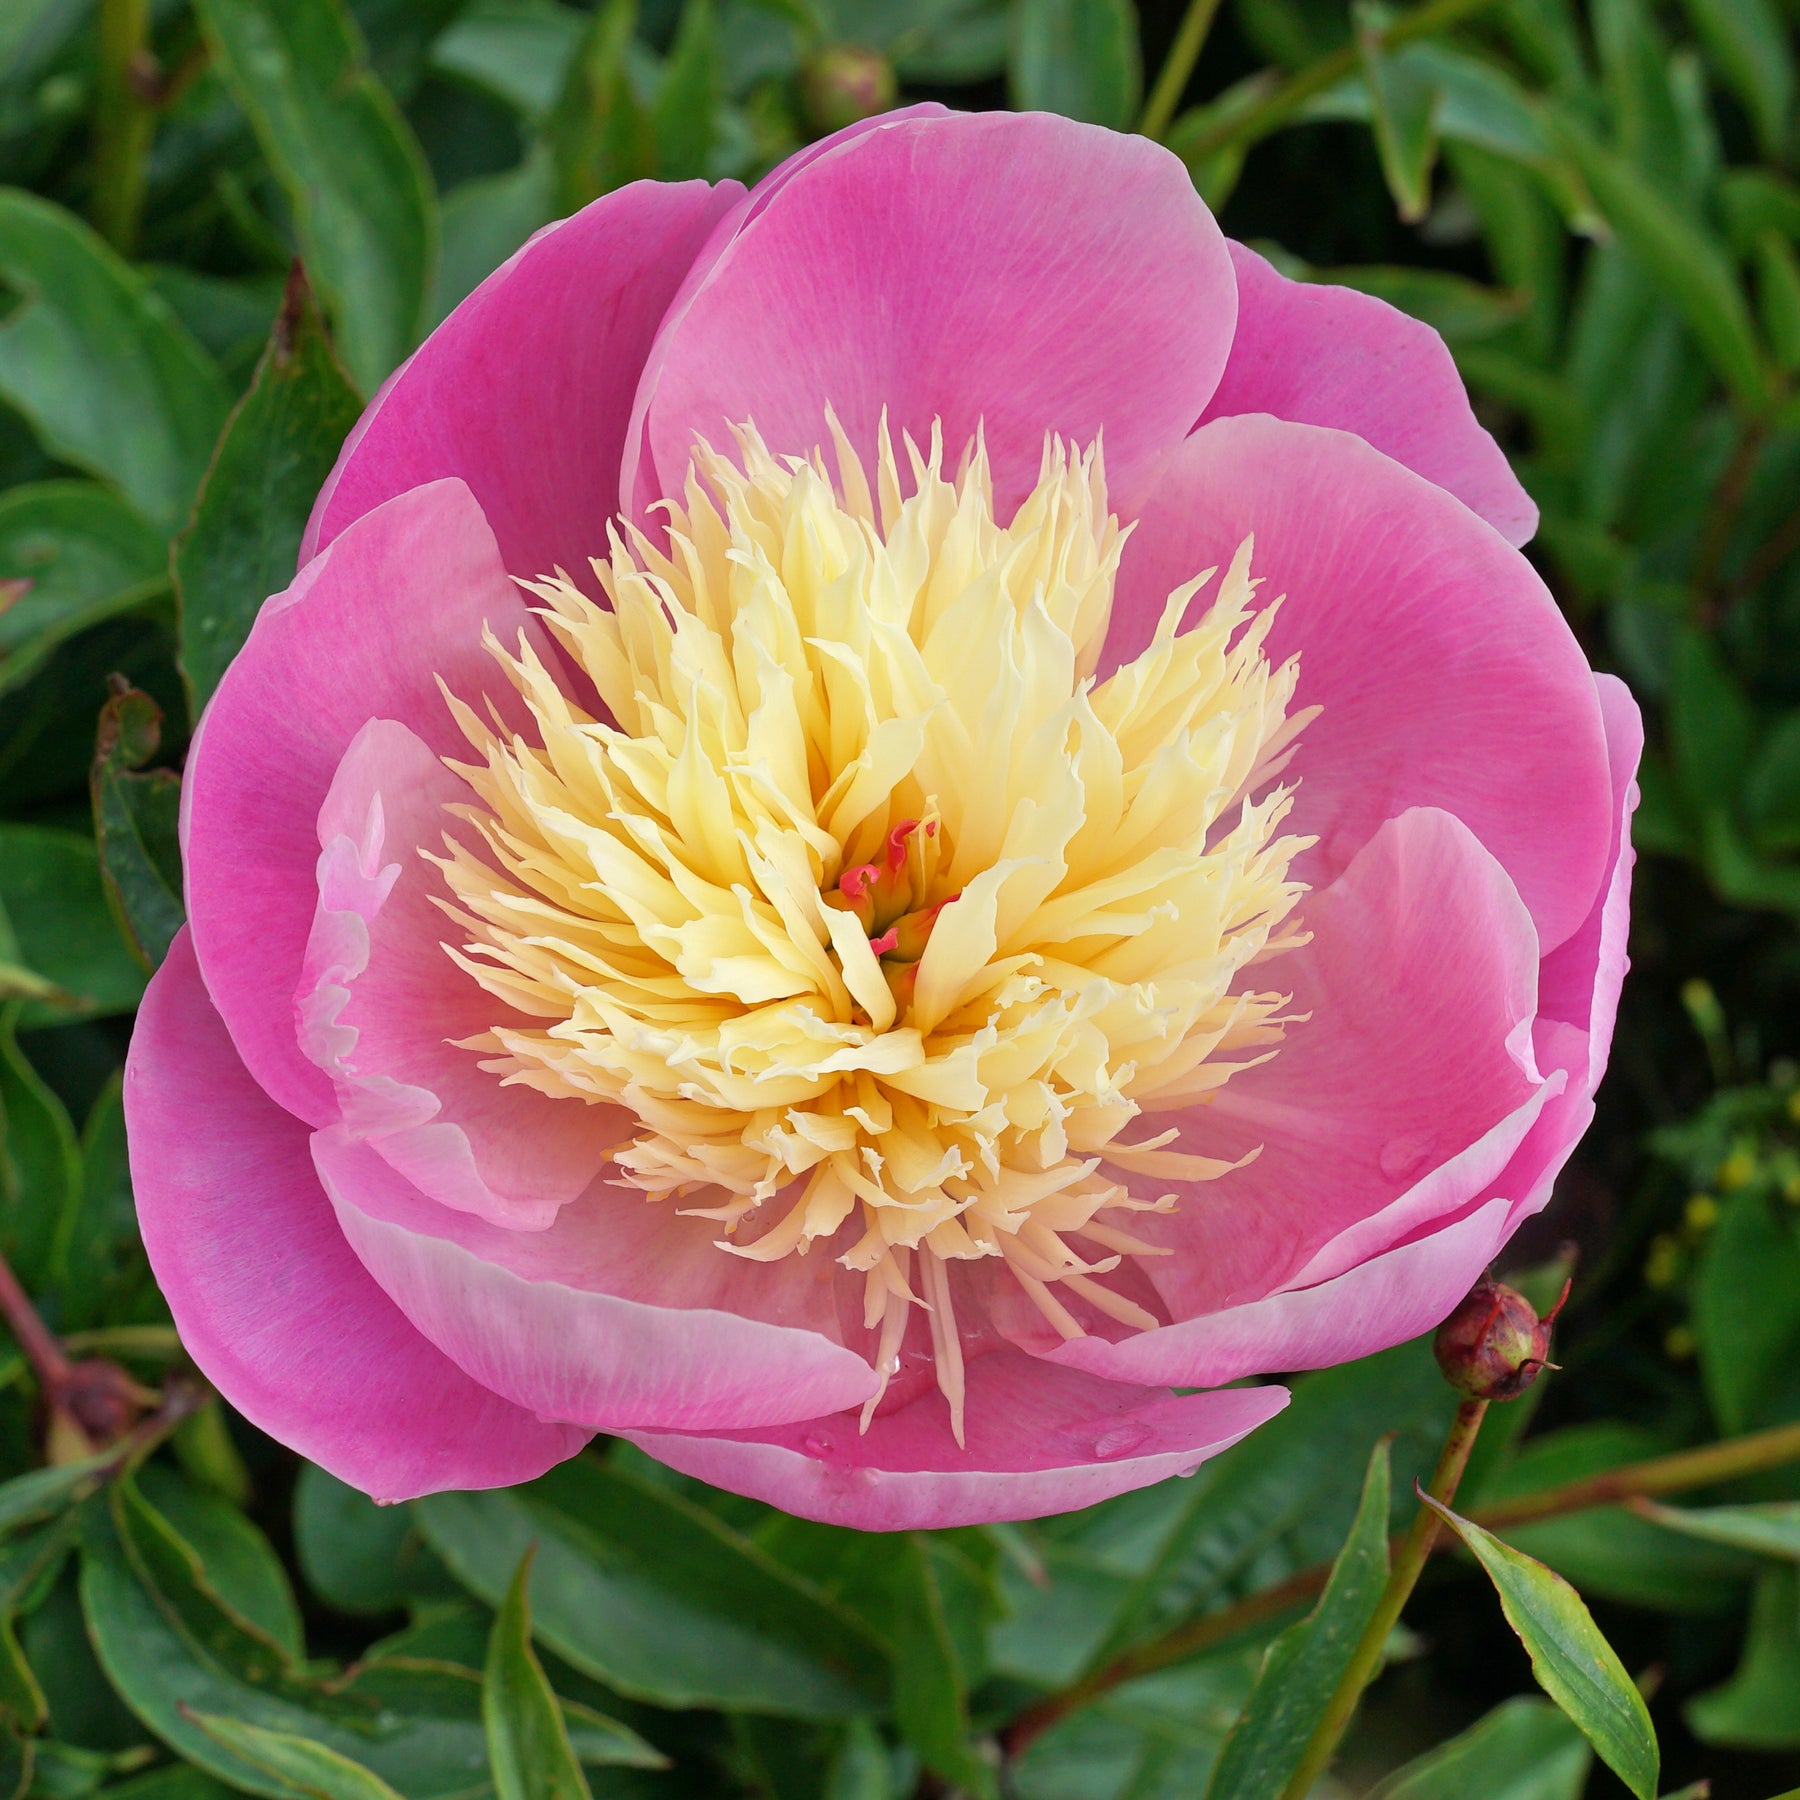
pixel 136 824
pixel 363 204
pixel 1404 99
pixel 528 1744
pixel 40 1493
pixel 63 929
pixel 1573 1663
pixel 98 364
pixel 1523 1750
pixel 643 1590
pixel 1755 1708
pixel 1304 1664
pixel 277 449
pixel 1771 1529
pixel 599 135
pixel 1681 256
pixel 302 1766
pixel 1750 46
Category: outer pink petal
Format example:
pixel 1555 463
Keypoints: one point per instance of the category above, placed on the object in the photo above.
pixel 1017 272
pixel 270 1302
pixel 384 1011
pixel 1384 1301
pixel 1446 675
pixel 525 390
pixel 365 631
pixel 1040 1440
pixel 529 1314
pixel 1322 355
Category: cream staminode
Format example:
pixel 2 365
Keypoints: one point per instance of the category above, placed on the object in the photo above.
pixel 841 715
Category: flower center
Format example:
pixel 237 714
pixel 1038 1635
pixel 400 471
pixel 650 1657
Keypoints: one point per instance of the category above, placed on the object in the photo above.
pixel 882 916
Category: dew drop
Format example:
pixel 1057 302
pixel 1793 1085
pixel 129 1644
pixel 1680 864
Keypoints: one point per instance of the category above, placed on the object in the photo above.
pixel 1120 1439
pixel 818 1443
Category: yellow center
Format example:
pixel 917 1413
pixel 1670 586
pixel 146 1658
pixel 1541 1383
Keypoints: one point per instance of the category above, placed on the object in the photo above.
pixel 877 913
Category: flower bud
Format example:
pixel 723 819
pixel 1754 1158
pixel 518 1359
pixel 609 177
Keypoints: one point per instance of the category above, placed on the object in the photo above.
pixel 1493 1346
pixel 843 83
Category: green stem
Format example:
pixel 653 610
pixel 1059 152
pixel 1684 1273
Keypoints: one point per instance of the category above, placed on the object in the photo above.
pixel 1178 65
pixel 1365 1659
pixel 1671 1474
pixel 122 122
pixel 1267 115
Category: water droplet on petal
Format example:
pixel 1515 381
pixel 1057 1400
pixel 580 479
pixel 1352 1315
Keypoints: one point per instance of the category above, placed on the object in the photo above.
pixel 1403 1157
pixel 818 1443
pixel 1120 1439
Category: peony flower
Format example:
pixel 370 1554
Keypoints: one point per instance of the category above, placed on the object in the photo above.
pixel 887 819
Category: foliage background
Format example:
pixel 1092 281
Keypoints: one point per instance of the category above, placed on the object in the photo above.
pixel 1592 202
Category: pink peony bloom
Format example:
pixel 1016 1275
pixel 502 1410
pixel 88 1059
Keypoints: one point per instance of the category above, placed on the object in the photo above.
pixel 887 819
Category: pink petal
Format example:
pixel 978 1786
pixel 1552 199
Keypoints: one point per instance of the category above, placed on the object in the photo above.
pixel 382 1008
pixel 540 1318
pixel 1447 676
pixel 365 631
pixel 1384 1301
pixel 1040 1440
pixel 1322 355
pixel 1401 1092
pixel 1015 272
pixel 270 1302
pixel 525 390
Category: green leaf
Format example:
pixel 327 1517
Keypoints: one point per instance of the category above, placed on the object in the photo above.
pixel 598 132
pixel 528 1746
pixel 98 364
pixel 50 889
pixel 1770 1529
pixel 1689 266
pixel 654 1596
pixel 1778 298
pixel 1215 172
pixel 299 1764
pixel 1573 1663
pixel 351 1550
pixel 1754 1709
pixel 362 196
pixel 82 553
pixel 516 50
pixel 136 825
pixel 1523 1750
pixel 1079 58
pixel 42 1493
pixel 1155 1738
pixel 1711 726
pixel 40 1163
pixel 1749 45
pixel 1304 1664
pixel 685 116
pixel 278 447
pixel 1405 102
pixel 1280 1501
pixel 1607 1550
pixel 1747 1315
pixel 429 1745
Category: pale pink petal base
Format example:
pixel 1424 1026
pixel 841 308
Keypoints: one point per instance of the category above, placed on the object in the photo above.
pixel 505 1306
pixel 384 1011
pixel 1040 1440
pixel 1323 355
pixel 269 1299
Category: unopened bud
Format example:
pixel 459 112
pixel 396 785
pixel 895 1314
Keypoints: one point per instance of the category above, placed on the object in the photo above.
pixel 843 83
pixel 1494 1345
